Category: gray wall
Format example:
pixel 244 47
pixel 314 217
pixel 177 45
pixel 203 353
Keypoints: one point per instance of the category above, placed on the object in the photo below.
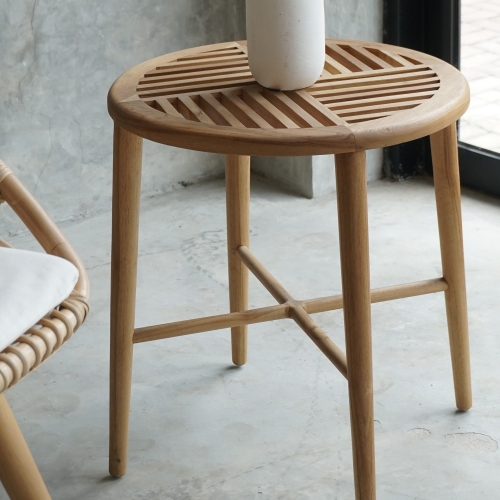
pixel 58 61
pixel 356 19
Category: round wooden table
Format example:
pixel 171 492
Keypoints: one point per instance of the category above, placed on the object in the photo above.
pixel 370 95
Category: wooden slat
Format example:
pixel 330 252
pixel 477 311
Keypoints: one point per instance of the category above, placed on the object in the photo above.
pixel 167 70
pixel 265 109
pixel 314 108
pixel 193 80
pixel 373 80
pixel 335 67
pixel 381 72
pixel 368 58
pixel 198 74
pixel 358 103
pixel 394 86
pixel 211 54
pixel 369 117
pixel 376 108
pixel 389 57
pixel 210 323
pixel 291 109
pixel 325 75
pixel 220 47
pixel 242 111
pixel 217 112
pixel 210 60
pixel 165 105
pixel 398 90
pixel 191 111
pixel 345 58
pixel 410 59
pixel 202 87
pixel 233 45
pixel 237 88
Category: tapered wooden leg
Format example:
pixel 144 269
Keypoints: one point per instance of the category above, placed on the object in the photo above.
pixel 354 256
pixel 18 471
pixel 447 187
pixel 127 159
pixel 238 233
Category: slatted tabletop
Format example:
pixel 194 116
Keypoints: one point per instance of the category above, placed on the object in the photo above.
pixel 369 95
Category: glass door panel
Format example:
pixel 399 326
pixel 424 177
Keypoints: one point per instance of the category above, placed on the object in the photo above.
pixel 480 63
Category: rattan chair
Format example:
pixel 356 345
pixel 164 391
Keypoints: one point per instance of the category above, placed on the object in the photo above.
pixel 45 334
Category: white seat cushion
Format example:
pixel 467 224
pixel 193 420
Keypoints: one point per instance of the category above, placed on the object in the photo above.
pixel 31 285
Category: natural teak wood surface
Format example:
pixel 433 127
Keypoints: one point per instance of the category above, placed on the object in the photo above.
pixel 18 471
pixel 127 157
pixel 352 203
pixel 369 95
pixel 447 187
pixel 238 234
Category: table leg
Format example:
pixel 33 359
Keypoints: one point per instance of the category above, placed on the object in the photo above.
pixel 127 160
pixel 18 471
pixel 447 187
pixel 238 233
pixel 354 255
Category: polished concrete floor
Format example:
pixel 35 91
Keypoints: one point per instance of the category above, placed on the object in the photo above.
pixel 278 427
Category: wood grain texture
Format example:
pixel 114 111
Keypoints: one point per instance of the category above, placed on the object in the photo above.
pixel 238 233
pixel 295 310
pixel 282 311
pixel 18 471
pixel 447 187
pixel 369 95
pixel 210 323
pixel 270 283
pixel 354 256
pixel 206 99
pixel 127 160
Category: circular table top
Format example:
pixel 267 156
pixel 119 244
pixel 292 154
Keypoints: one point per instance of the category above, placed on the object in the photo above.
pixel 369 95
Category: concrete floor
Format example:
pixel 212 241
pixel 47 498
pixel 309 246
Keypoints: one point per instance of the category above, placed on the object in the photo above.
pixel 277 428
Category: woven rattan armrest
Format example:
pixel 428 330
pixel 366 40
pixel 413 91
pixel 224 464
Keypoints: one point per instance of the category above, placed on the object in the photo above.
pixel 44 338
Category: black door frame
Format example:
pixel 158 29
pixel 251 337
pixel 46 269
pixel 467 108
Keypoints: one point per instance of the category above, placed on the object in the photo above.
pixel 433 26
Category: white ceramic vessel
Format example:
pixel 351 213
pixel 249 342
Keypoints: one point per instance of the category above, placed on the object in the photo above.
pixel 286 42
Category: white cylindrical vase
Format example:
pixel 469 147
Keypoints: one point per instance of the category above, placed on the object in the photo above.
pixel 286 42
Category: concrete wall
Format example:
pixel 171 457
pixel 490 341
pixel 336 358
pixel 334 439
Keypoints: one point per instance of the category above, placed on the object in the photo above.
pixel 59 59
pixel 58 62
pixel 354 19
